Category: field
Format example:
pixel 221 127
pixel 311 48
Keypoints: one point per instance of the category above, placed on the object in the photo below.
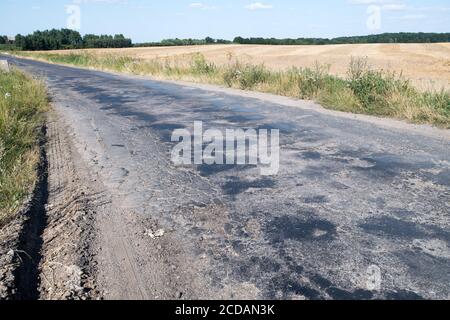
pixel 426 65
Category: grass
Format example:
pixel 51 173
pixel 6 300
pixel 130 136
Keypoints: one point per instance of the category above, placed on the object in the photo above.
pixel 23 100
pixel 363 91
pixel 8 47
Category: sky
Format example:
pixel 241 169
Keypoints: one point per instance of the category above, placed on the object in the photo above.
pixel 152 20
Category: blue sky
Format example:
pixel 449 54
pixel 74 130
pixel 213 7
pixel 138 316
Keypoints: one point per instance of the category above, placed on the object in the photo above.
pixel 151 20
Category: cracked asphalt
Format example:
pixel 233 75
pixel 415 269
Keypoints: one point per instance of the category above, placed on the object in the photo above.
pixel 352 195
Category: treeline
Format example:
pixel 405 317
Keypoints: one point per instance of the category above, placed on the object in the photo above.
pixel 397 38
pixel 105 41
pixel 68 39
pixel 4 40
pixel 378 38
pixel 183 42
pixel 6 43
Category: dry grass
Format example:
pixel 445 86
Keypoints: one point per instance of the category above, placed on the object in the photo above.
pixel 22 103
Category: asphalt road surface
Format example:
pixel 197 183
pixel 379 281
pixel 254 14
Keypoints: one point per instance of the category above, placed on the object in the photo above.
pixel 359 210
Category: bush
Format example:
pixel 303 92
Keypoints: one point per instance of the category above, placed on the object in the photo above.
pixel 246 76
pixel 251 76
pixel 310 81
pixel 200 66
pixel 374 89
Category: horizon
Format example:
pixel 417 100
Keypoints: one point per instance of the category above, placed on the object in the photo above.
pixel 144 21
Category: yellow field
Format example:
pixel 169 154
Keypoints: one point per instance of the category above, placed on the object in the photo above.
pixel 427 65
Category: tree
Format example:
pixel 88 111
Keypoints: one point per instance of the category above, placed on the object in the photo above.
pixel 20 42
pixel 68 39
pixel 379 38
pixel 238 40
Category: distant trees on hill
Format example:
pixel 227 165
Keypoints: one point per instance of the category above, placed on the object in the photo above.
pixel 182 42
pixel 50 40
pixel 6 43
pixel 4 40
pixel 68 39
pixel 397 38
pixel 105 41
pixel 378 38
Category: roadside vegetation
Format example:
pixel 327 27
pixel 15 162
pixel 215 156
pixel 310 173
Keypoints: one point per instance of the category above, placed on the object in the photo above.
pixel 23 100
pixel 363 90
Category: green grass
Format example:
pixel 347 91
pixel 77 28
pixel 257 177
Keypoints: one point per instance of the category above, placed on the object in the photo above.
pixel 8 47
pixel 23 100
pixel 363 91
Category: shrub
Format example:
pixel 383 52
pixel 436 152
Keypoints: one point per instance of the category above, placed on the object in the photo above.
pixel 200 66
pixel 246 76
pixel 374 89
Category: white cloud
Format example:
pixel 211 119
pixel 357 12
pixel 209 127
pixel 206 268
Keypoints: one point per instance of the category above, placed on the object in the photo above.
pixel 412 17
pixel 258 6
pixel 386 5
pixel 202 6
pixel 370 2
pixel 394 7
pixel 101 1
pixel 411 12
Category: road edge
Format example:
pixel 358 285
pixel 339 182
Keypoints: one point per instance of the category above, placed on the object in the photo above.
pixel 47 252
pixel 20 237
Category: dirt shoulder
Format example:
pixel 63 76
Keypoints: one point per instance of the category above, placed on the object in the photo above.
pixel 46 252
pixel 10 256
pixel 20 239
pixel 66 268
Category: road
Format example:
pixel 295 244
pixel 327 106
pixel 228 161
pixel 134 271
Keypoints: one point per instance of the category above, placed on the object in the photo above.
pixel 353 198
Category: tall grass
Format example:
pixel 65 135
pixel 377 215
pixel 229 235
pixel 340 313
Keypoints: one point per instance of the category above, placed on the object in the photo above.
pixel 22 103
pixel 363 91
